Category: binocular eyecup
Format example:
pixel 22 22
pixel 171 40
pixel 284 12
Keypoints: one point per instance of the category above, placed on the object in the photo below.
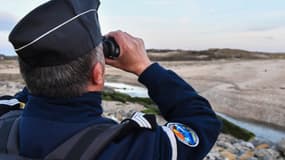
pixel 110 48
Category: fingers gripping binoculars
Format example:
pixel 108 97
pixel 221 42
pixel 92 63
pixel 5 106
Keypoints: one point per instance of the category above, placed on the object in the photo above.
pixel 110 48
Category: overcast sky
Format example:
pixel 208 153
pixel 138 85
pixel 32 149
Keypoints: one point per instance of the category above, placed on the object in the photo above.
pixel 257 25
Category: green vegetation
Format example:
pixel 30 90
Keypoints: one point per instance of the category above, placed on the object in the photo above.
pixel 151 108
pixel 116 96
pixel 236 131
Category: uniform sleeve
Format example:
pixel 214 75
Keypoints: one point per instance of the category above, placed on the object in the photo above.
pixel 179 102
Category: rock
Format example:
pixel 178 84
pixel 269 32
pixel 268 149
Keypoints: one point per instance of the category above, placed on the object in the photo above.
pixel 246 156
pixel 262 146
pixel 281 146
pixel 239 149
pixel 227 138
pixel 252 158
pixel 266 154
pixel 257 142
pixel 247 144
pixel 228 146
pixel 228 155
pixel 242 147
pixel 218 149
pixel 214 156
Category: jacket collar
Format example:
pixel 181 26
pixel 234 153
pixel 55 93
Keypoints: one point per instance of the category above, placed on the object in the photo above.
pixel 74 110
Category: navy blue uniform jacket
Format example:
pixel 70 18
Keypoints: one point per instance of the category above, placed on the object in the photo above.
pixel 48 122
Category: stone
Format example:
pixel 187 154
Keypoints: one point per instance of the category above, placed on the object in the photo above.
pixel 227 138
pixel 240 148
pixel 266 154
pixel 246 156
pixel 247 144
pixel 218 149
pixel 262 146
pixel 281 146
pixel 229 147
pixel 228 155
pixel 252 158
pixel 213 156
pixel 257 142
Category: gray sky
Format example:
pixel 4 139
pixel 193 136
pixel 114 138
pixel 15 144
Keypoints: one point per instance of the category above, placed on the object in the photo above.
pixel 181 24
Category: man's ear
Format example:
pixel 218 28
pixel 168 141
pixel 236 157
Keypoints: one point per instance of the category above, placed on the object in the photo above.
pixel 97 78
pixel 98 74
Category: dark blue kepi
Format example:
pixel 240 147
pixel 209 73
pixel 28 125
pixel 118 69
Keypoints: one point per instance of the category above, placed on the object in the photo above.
pixel 57 32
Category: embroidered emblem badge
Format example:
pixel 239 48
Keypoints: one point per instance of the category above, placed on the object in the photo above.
pixel 184 134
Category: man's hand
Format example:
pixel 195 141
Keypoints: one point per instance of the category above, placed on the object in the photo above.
pixel 133 57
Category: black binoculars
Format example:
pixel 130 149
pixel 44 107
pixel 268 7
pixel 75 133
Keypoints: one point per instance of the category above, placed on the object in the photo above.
pixel 110 48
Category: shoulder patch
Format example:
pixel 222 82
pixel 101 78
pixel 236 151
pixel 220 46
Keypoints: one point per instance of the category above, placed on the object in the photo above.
pixel 184 134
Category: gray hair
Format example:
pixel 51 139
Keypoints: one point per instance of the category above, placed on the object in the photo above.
pixel 67 80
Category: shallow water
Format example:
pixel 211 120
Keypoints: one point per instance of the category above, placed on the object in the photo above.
pixel 261 131
pixel 130 90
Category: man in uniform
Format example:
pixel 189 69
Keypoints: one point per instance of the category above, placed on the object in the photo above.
pixel 61 59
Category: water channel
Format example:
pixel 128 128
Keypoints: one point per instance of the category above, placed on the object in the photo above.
pixel 261 131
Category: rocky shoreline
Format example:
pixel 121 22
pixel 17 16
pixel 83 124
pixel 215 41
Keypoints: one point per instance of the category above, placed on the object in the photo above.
pixel 226 148
pixel 230 148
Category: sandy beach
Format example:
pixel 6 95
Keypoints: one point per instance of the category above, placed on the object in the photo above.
pixel 247 89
